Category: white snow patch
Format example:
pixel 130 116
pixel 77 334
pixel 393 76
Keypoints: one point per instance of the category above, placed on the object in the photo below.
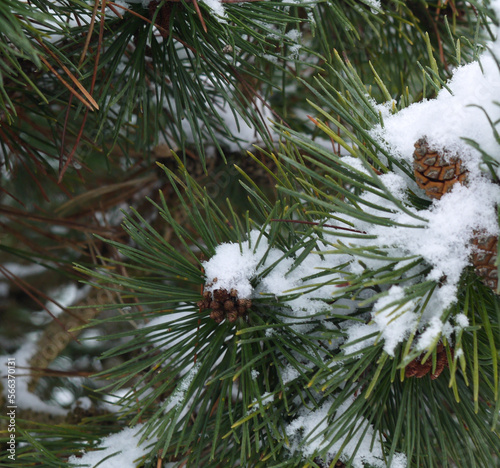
pixel 217 8
pixel 289 373
pixel 310 426
pixel 179 395
pixel 461 320
pixel 126 446
pixel 235 266
pixel 459 115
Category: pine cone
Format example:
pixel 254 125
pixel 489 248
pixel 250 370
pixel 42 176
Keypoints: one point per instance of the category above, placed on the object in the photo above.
pixel 221 295
pixel 224 304
pixel 484 258
pixel 215 305
pixel 217 316
pixel 416 369
pixel 436 173
pixel 232 316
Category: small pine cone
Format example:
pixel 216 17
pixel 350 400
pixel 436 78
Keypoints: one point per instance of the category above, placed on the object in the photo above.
pixel 436 173
pixel 215 305
pixel 228 305
pixel 233 293
pixel 217 316
pixel 242 311
pixel 221 295
pixel 246 303
pixel 206 301
pixel 441 363
pixel 207 295
pixel 411 369
pixel 484 258
pixel 416 369
pixel 232 316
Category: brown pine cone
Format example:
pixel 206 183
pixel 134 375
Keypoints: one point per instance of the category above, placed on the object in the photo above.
pixel 217 316
pixel 221 295
pixel 436 173
pixel 416 369
pixel 484 258
pixel 215 305
pixel 247 303
pixel 232 316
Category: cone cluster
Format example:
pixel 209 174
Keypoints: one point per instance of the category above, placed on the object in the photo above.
pixel 437 173
pixel 418 369
pixel 224 304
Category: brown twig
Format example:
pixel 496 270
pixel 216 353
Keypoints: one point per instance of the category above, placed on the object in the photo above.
pixel 90 102
pixel 200 16
pixel 11 212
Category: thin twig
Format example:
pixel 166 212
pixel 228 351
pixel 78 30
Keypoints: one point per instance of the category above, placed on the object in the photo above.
pixel 198 12
pixel 26 288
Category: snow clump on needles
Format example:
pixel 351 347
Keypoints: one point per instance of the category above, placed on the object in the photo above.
pixel 440 234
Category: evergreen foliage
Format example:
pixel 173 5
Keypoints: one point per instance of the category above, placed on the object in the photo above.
pixel 89 90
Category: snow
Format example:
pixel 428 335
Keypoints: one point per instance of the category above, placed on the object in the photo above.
pixel 289 373
pixel 461 114
pixel 85 403
pixel 125 445
pixel 233 266
pixel 63 396
pixel 429 336
pixel 179 395
pixel 445 243
pixel 461 320
pixel 375 5
pixel 239 134
pixel 114 402
pixel 394 322
pixel 312 428
pixel 294 35
pixel 22 271
pixel 265 399
pixel 66 296
pixel 236 265
pixel 443 240
pixel 217 8
pixel 440 235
